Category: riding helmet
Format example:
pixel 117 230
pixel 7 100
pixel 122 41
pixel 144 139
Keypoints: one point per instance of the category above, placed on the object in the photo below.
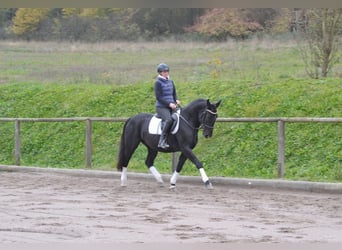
pixel 163 67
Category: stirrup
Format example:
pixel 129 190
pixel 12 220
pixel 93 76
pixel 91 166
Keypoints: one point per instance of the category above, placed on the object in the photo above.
pixel 163 144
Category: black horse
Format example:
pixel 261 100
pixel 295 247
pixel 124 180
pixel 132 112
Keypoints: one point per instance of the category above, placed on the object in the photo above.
pixel 198 114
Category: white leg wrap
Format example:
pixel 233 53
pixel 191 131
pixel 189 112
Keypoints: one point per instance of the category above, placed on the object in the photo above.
pixel 156 174
pixel 124 177
pixel 174 177
pixel 204 175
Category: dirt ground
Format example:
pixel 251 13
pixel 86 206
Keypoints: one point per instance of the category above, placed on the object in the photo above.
pixel 52 207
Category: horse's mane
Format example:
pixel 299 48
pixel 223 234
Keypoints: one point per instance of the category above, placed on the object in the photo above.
pixel 195 104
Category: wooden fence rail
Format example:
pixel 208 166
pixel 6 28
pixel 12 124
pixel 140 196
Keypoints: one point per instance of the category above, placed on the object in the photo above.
pixel 88 121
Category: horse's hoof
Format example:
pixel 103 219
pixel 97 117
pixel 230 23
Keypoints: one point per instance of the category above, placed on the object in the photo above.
pixel 160 181
pixel 209 185
pixel 172 187
pixel 123 182
pixel 161 184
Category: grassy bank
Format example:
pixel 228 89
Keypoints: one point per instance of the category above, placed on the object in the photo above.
pixel 113 80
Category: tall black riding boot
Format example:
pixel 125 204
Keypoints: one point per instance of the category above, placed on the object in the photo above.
pixel 162 140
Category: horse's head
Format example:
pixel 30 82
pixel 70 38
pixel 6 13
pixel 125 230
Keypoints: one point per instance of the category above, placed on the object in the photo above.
pixel 209 118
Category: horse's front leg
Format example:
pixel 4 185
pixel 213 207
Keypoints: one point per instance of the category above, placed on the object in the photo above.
pixel 188 154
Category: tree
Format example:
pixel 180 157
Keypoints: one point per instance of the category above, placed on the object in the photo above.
pixel 6 15
pixel 88 12
pixel 220 23
pixel 96 24
pixel 68 12
pixel 281 23
pixel 320 47
pixel 155 22
pixel 27 20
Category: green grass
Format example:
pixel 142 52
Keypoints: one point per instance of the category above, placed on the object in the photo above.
pixel 132 63
pixel 264 79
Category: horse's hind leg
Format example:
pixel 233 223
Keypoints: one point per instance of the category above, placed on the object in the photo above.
pixel 174 177
pixel 152 154
pixel 126 154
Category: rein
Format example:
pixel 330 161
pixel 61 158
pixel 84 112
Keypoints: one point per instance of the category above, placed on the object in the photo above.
pixel 182 117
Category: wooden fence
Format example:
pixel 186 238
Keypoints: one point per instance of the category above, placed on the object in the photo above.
pixel 88 134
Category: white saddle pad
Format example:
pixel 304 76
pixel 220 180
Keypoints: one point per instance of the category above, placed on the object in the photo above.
pixel 154 126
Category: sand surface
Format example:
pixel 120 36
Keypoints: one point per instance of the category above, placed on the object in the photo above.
pixel 52 207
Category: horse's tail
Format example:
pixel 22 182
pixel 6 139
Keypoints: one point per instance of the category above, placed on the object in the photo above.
pixel 121 155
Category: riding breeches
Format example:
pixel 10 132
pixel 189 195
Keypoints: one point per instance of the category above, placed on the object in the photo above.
pixel 164 113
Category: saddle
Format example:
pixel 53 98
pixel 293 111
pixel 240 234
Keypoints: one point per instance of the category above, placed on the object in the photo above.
pixel 155 124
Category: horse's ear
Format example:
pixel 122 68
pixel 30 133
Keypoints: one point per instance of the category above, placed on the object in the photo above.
pixel 218 103
pixel 208 103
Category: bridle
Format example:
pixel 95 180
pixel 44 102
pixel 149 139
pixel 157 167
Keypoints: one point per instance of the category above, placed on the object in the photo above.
pixel 203 124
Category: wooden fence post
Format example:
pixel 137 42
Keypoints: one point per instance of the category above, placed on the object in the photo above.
pixel 88 143
pixel 281 149
pixel 17 143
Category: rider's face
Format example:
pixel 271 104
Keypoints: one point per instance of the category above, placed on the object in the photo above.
pixel 165 74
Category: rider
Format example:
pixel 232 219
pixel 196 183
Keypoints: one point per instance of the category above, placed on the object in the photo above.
pixel 166 101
